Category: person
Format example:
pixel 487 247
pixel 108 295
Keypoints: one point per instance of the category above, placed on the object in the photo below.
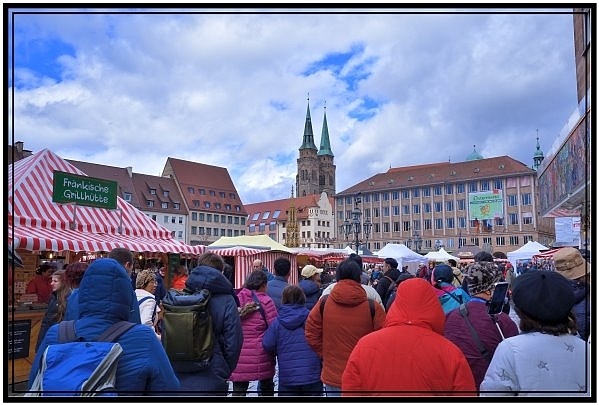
pixel 376 274
pixel 57 305
pixel 403 276
pixel 105 296
pixel 125 258
pixel 229 273
pixel 179 278
pixel 299 365
pixel 74 274
pixel 226 325
pixel 255 363
pixel 145 286
pixel 275 286
pixel 345 317
pixel 458 277
pixel 570 264
pixel 481 278
pixel 40 283
pixel 423 272
pixel 160 288
pixel 257 265
pixel 546 358
pixel 310 284
pixel 450 297
pixel 390 275
pixel 413 338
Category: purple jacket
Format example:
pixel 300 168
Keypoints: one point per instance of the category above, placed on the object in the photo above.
pixel 254 362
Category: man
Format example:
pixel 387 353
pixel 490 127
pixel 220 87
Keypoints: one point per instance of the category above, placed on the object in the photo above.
pixel 345 317
pixel 458 277
pixel 257 265
pixel 226 325
pixel 125 258
pixel 481 277
pixel 275 286
pixel 105 296
pixel 390 275
pixel 40 283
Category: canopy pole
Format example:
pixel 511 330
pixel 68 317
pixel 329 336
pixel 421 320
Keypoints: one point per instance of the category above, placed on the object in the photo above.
pixel 73 224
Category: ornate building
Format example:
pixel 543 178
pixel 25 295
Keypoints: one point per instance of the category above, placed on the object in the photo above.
pixel 315 168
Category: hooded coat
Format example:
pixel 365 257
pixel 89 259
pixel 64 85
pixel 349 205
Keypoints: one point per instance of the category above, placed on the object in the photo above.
pixel 409 356
pixel 226 325
pixel 285 337
pixel 105 296
pixel 333 333
pixel 312 291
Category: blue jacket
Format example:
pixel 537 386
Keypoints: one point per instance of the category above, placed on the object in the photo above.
pixel 275 288
pixel 226 326
pixel 72 312
pixel 312 291
pixel 285 337
pixel 105 296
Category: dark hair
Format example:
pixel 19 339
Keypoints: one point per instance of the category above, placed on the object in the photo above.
pixel 357 258
pixel 483 256
pixel 452 262
pixel 255 280
pixel 74 273
pixel 391 262
pixel 121 255
pixel 282 266
pixel 212 260
pixel 292 294
pixel 45 267
pixel 499 255
pixel 348 269
pixel 562 327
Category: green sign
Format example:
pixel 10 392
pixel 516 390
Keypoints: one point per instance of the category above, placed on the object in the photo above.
pixel 83 190
pixel 486 205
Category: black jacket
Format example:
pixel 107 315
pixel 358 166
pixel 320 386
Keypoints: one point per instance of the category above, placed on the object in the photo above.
pixel 382 287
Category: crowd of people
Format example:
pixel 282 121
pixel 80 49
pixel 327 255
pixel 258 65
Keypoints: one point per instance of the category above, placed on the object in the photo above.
pixel 391 333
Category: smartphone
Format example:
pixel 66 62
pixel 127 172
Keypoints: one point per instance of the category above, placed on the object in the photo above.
pixel 498 298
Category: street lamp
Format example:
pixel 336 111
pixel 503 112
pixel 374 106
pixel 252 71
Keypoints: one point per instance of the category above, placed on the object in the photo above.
pixel 355 225
pixel 417 242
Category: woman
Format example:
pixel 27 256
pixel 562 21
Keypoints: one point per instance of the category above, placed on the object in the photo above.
pixel 180 277
pixel 57 305
pixel 310 284
pixel 299 365
pixel 40 283
pixel 145 286
pixel 254 362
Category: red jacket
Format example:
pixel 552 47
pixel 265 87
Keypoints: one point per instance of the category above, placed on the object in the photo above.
pixel 409 356
pixel 40 285
pixel 346 319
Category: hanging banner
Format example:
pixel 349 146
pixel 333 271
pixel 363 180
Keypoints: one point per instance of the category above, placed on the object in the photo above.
pixel 84 190
pixel 486 205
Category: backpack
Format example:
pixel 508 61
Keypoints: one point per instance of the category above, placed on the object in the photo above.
pixel 404 275
pixel 155 305
pixel 451 300
pixel 187 335
pixel 323 299
pixel 74 367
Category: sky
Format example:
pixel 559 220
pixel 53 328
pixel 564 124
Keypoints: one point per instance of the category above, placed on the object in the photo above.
pixel 230 87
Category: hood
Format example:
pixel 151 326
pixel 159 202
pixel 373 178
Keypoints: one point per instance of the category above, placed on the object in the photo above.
pixel 348 292
pixel 309 287
pixel 209 278
pixel 416 304
pixel 106 291
pixel 293 316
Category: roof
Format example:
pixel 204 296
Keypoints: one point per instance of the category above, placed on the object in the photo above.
pixel 474 155
pixel 301 205
pixel 440 173
pixel 250 241
pixel 166 191
pixel 325 143
pixel 308 140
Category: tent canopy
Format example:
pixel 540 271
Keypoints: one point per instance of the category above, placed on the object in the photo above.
pixel 527 251
pixel 441 255
pixel 38 223
pixel 401 253
pixel 263 242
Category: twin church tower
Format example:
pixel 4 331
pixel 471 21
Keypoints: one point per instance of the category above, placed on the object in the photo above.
pixel 315 167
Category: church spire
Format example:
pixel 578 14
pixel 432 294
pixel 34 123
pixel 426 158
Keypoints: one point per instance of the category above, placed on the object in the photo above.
pixel 538 157
pixel 325 143
pixel 308 141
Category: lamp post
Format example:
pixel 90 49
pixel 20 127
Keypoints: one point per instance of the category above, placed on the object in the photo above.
pixel 356 226
pixel 417 242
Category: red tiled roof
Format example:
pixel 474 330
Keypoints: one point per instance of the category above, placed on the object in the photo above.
pixel 301 206
pixel 144 182
pixel 444 172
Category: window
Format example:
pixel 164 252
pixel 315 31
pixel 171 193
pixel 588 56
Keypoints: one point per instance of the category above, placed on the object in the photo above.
pixel 395 209
pixel 395 195
pixel 165 193
pixel 449 223
pixel 439 223
pixel 449 189
pixel 228 207
pixel 525 181
pixel 375 197
pixel 265 215
pixel 180 220
pixel 229 232
pixel 276 214
pixel 438 190
pixel 472 187
pixel 212 194
pixel 514 240
pixel 461 204
pixel 201 230
pixel 498 185
pixel 149 203
pixel 236 220
pixel 209 231
pixel 396 226
pixel 416 225
pixel 498 221
pixel 243 222
pixel 191 190
pixel 252 228
pixel 406 226
pixel 255 216
pixel 229 219
pixel 272 226
pixel 460 188
pixel 385 196
pixel 448 205
pixel 238 209
pixel 462 223
pixel 207 204
pixel 208 217
pixel 512 200
pixel 527 238
pixel 405 194
pixel 166 219
pixel 426 207
pixel 223 219
pixel 179 234
pixel 201 217
pixel 127 197
pixel 194 230
pixel 375 212
pixel 405 209
pixel 385 211
pixel 215 218
pixel 217 205
pixel 485 185
pixel 222 231
pixel 427 224
pixel 262 227
pixel 416 209
pixel 222 194
pixel 527 220
pixel 153 191
pixel 438 206
pixel 196 203
pixel 426 191
pixel 514 218
pixel 164 205
pixel 173 220
pixel 415 192
pixel 500 241
pixel 202 191
pixel 526 199
pixel 176 206
pixel 386 227
pixel 154 217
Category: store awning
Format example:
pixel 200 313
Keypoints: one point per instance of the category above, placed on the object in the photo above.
pixel 235 251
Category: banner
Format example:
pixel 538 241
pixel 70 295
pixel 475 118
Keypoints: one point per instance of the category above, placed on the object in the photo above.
pixel 485 205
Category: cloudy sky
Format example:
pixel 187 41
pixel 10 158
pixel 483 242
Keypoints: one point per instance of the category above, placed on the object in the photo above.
pixel 131 88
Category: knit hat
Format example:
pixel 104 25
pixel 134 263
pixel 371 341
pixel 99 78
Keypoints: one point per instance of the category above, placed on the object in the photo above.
pixel 144 278
pixel 569 263
pixel 481 276
pixel 545 296
pixel 442 272
pixel 309 270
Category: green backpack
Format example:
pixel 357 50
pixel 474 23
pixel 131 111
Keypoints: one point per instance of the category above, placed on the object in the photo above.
pixel 187 335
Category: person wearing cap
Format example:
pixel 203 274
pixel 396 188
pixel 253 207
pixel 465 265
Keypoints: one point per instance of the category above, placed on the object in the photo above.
pixel 546 359
pixel 481 278
pixel 409 355
pixel 450 297
pixel 145 286
pixel 570 264
pixel 310 284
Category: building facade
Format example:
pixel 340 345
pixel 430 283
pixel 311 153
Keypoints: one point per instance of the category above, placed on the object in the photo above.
pixel 489 203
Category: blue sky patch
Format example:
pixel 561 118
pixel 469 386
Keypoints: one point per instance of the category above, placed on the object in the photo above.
pixel 40 56
pixel 367 109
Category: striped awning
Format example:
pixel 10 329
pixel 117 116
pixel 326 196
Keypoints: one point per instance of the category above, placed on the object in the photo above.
pixel 37 223
pixel 235 251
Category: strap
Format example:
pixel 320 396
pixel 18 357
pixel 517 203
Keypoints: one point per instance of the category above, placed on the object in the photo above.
pixel 481 347
pixel 257 301
pixel 114 331
pixel 66 332
pixel 155 305
pixel 455 297
pixel 370 304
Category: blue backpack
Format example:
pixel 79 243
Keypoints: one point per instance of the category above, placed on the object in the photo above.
pixel 78 368
pixel 453 299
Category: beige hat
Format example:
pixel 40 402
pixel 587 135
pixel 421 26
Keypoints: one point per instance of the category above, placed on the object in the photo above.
pixel 570 263
pixel 144 278
pixel 309 270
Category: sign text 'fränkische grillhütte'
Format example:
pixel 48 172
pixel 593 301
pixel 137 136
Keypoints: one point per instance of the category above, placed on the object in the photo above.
pixel 83 190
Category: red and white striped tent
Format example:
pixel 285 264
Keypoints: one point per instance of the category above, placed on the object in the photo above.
pixel 245 249
pixel 37 223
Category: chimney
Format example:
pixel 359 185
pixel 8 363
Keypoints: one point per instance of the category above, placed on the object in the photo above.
pixel 19 146
pixel 130 171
